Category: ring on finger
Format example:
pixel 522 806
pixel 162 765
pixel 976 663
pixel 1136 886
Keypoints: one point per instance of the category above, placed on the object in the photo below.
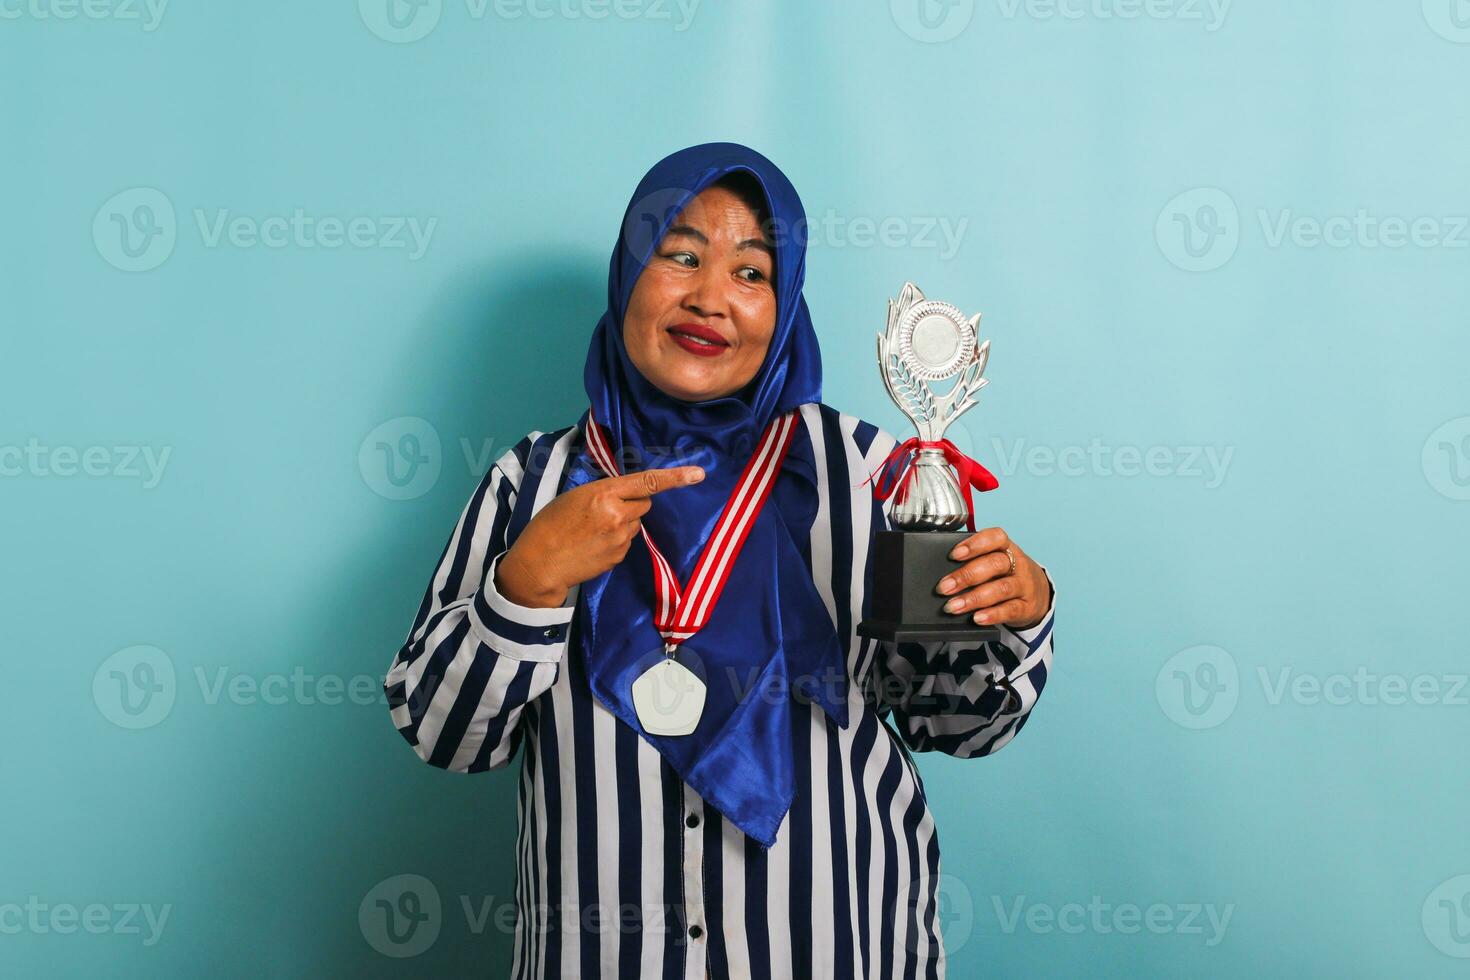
pixel 1013 562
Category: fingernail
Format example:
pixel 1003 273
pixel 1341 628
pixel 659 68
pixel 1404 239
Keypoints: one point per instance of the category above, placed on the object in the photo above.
pixel 959 551
pixel 981 617
pixel 946 586
pixel 697 475
pixel 954 605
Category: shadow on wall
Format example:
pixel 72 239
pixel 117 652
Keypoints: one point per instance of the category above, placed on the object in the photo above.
pixel 340 795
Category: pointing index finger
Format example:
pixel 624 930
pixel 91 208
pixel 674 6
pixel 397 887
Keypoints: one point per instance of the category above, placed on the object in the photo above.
pixel 646 483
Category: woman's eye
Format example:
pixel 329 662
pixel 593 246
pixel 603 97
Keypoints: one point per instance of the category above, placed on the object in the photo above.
pixel 752 274
pixel 683 258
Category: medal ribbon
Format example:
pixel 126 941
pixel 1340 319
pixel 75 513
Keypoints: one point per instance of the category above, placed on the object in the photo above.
pixel 681 612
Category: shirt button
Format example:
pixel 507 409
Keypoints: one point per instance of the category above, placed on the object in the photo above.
pixel 552 632
pixel 695 932
pixel 692 820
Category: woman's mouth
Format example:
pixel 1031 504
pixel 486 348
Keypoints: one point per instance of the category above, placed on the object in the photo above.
pixel 698 339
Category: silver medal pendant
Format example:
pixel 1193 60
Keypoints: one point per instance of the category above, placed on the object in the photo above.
pixel 668 697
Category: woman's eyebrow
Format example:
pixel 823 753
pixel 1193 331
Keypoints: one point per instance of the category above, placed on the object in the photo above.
pixel 688 232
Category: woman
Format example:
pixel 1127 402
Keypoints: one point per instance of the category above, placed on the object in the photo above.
pixel 786 834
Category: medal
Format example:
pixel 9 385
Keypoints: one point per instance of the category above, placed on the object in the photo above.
pixel 668 697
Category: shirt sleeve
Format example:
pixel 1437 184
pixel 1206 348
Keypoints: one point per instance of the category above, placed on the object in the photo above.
pixel 965 698
pixel 474 659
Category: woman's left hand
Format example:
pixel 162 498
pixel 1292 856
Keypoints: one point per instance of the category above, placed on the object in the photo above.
pixel 987 587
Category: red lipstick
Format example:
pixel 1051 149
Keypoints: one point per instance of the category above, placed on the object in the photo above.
pixel 698 339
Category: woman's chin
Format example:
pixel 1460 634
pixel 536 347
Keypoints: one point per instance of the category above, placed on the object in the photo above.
pixel 692 389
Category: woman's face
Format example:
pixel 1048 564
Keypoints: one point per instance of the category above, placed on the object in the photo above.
pixel 703 311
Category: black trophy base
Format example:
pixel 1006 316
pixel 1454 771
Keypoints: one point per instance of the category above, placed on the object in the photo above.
pixel 907 606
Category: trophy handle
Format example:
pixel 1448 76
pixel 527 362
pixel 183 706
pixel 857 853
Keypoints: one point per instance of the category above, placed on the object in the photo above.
pixel 883 370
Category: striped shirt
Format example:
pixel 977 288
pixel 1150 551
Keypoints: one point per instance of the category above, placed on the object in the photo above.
pixel 622 870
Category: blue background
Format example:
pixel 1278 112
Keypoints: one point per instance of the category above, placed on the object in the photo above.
pixel 1115 186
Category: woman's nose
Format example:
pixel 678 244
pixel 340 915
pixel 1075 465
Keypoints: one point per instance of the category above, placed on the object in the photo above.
pixel 706 296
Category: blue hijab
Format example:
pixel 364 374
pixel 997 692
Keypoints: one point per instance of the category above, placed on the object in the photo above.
pixel 770 638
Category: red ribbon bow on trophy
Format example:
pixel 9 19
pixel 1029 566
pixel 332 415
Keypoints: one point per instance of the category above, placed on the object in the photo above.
pixel 897 472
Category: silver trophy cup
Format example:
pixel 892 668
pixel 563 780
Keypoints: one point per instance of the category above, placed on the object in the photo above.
pixel 926 342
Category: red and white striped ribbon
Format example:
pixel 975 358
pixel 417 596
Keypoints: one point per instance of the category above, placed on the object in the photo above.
pixel 681 612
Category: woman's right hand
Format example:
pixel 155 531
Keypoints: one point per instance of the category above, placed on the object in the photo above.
pixel 582 533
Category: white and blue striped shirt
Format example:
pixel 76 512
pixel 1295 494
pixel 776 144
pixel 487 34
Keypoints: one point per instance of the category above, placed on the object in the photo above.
pixel 623 871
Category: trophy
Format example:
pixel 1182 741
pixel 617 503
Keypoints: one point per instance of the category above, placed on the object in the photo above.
pixel 929 477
